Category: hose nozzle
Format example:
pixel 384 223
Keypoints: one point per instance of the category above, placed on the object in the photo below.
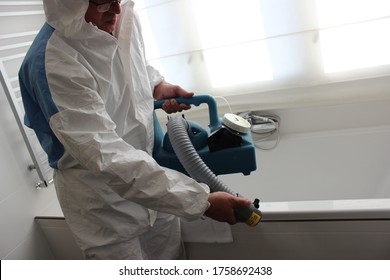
pixel 250 215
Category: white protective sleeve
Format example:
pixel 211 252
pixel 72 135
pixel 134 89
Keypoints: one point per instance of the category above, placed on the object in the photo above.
pixel 88 134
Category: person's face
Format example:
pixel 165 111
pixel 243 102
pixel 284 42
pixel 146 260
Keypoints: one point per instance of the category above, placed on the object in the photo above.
pixel 104 20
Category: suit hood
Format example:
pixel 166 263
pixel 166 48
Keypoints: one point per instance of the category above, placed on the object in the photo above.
pixel 66 16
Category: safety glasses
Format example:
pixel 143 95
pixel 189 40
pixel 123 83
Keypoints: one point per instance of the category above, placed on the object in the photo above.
pixel 104 6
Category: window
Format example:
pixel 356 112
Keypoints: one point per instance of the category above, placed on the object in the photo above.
pixel 230 47
pixel 354 33
pixel 231 37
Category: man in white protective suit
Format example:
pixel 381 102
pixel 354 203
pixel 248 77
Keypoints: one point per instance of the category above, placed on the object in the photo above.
pixel 88 94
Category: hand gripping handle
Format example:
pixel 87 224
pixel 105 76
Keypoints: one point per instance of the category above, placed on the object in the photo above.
pixel 215 122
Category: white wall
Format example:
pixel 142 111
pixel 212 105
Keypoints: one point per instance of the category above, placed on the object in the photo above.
pixel 334 151
pixel 20 202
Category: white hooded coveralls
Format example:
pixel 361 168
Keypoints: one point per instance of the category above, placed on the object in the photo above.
pixel 89 97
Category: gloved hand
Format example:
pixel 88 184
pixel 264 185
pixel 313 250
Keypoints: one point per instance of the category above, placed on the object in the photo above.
pixel 222 206
pixel 166 91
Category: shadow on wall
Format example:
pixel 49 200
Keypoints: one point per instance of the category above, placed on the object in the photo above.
pixel 60 239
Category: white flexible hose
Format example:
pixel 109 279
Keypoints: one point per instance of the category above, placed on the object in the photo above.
pixel 189 157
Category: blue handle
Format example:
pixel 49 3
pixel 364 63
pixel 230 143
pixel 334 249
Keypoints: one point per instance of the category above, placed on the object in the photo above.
pixel 196 100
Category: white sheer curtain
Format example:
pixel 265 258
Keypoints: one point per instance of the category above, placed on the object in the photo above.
pixel 226 47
